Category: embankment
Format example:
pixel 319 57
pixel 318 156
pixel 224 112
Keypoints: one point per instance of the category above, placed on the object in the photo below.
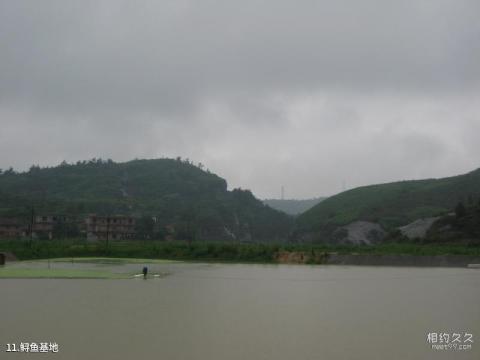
pixel 376 260
pixel 403 260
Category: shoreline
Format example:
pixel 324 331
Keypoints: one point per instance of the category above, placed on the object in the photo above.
pixel 388 254
pixel 457 261
pixel 300 258
pixel 333 258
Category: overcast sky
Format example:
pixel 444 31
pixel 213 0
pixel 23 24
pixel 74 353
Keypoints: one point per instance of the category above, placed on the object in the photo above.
pixel 306 94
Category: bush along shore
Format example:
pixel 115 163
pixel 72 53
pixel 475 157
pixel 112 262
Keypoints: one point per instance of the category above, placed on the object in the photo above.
pixel 242 252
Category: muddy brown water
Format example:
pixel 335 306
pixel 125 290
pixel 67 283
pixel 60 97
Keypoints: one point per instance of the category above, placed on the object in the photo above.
pixel 209 311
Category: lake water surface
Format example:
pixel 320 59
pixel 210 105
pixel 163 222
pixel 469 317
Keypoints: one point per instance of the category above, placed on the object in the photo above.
pixel 218 311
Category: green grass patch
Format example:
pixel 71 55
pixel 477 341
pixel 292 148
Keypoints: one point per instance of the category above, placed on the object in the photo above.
pixel 110 261
pixel 25 273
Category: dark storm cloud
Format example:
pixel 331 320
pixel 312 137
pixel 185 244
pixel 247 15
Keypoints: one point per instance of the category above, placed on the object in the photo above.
pixel 275 87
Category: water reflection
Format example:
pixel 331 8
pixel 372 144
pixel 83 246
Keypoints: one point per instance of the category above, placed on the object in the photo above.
pixel 217 311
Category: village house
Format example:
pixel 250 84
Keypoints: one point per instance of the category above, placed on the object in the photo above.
pixel 94 227
pixel 45 225
pixel 12 228
pixel 112 227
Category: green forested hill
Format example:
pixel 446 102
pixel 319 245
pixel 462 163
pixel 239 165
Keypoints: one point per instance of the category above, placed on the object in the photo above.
pixel 175 191
pixel 392 204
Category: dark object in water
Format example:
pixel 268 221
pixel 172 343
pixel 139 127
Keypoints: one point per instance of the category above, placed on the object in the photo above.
pixel 145 271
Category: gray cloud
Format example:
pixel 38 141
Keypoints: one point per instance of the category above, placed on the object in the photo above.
pixel 305 94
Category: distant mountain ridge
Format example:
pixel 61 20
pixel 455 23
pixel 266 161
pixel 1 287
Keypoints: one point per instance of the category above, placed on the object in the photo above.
pixel 293 206
pixel 176 192
pixel 391 205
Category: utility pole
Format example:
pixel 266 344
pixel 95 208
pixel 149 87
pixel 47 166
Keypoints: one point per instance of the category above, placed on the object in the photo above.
pixel 108 228
pixel 283 193
pixel 32 222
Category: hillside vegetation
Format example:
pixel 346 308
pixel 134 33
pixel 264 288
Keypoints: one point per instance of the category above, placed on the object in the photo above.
pixel 176 192
pixel 461 227
pixel 393 204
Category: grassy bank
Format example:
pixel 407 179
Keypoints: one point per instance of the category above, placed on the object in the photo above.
pixel 26 273
pixel 202 251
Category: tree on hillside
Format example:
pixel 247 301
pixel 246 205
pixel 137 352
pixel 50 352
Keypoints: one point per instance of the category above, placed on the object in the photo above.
pixel 9 171
pixel 471 202
pixel 460 210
